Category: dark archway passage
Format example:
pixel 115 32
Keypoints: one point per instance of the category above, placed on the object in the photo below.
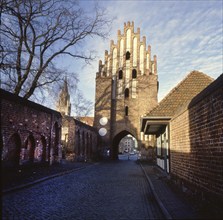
pixel 56 140
pixel 13 155
pixel 115 143
pixel 28 152
pixel 44 149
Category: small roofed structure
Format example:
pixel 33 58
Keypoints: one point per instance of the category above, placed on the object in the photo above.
pixel 157 121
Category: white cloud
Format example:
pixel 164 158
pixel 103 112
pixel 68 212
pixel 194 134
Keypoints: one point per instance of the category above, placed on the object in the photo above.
pixel 185 36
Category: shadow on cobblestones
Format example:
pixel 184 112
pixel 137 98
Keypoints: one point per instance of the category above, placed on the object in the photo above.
pixel 201 209
pixel 25 175
pixel 174 199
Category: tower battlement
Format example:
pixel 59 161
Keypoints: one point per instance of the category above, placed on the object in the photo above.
pixel 126 87
pixel 129 52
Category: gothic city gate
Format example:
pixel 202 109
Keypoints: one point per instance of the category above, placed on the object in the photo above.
pixel 126 88
pixel 115 143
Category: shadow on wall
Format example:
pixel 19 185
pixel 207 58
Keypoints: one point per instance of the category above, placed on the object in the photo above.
pixel 30 133
pixel 123 111
pixel 197 150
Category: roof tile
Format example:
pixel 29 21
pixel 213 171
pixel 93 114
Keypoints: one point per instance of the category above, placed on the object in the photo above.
pixel 188 88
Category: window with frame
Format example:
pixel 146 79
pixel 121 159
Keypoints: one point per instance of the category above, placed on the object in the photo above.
pixel 120 74
pixel 127 93
pixel 134 74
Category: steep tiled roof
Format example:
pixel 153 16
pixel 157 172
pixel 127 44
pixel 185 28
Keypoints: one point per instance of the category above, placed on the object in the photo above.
pixel 217 84
pixel 180 95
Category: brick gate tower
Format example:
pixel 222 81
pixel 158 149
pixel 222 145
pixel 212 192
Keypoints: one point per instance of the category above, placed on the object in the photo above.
pixel 126 88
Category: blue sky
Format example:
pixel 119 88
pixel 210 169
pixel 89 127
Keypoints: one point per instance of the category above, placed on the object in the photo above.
pixel 185 36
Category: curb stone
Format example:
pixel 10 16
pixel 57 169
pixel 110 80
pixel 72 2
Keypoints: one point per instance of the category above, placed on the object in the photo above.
pixel 164 210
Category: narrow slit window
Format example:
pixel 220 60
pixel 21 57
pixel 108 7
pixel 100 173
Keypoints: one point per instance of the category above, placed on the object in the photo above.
pixel 127 55
pixel 134 74
pixel 120 74
pixel 126 110
pixel 126 93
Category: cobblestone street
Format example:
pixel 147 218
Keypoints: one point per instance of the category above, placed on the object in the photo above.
pixel 110 190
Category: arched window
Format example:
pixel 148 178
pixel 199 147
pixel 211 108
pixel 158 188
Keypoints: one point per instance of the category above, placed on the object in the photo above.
pixel 120 74
pixel 127 55
pixel 126 110
pixel 126 92
pixel 134 74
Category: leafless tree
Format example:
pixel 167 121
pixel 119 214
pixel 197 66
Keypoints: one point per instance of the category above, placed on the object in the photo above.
pixel 35 33
pixel 80 106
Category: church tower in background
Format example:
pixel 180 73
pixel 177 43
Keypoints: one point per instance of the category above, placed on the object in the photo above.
pixel 126 88
pixel 63 104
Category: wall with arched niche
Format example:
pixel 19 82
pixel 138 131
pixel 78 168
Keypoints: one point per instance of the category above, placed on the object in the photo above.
pixel 30 132
pixel 81 140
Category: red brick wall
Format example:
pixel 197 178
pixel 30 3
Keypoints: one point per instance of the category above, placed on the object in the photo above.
pixel 27 119
pixel 82 139
pixel 197 142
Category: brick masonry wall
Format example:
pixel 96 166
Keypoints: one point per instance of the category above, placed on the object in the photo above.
pixel 81 140
pixel 103 106
pixel 126 87
pixel 28 121
pixel 197 142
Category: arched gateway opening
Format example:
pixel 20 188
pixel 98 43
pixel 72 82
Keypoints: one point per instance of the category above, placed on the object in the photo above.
pixel 121 94
pixel 123 143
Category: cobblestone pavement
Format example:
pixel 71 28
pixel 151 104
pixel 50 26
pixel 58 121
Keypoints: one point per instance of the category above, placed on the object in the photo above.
pixel 178 204
pixel 110 190
pixel 15 179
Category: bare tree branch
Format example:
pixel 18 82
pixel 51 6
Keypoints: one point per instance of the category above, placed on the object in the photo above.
pixel 34 34
pixel 81 106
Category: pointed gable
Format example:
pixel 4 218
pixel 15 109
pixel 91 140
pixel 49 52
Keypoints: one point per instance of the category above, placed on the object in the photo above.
pixel 182 94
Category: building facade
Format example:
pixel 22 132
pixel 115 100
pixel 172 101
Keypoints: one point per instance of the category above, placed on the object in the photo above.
pixel 79 139
pixel 30 133
pixel 127 144
pixel 197 144
pixel 126 88
pixel 188 126
pixel 157 121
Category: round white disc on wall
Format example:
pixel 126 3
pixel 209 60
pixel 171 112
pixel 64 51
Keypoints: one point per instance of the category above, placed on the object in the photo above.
pixel 102 131
pixel 103 121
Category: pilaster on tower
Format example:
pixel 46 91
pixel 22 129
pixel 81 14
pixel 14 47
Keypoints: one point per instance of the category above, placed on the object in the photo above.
pixel 155 64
